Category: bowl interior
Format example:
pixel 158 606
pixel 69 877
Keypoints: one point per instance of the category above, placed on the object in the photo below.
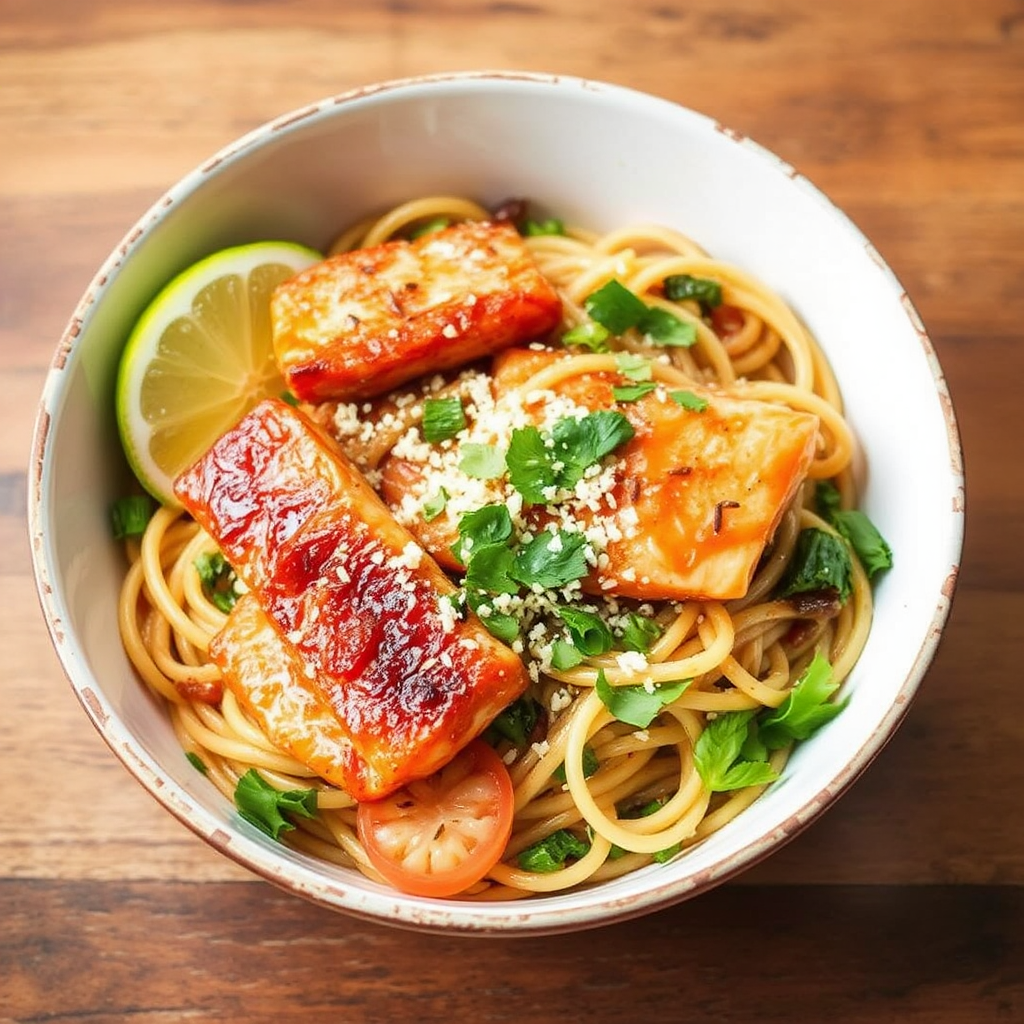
pixel 595 155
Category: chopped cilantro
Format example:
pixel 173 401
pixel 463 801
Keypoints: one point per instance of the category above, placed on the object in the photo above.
pixel 807 707
pixel 491 568
pixel 680 287
pixel 517 721
pixel 688 400
pixel 130 515
pixel 530 468
pixel 639 633
pixel 551 853
pixel 633 366
pixel 588 762
pixel 661 327
pixel 861 533
pixel 289 399
pixel 718 751
pixel 821 561
pixel 218 579
pixel 550 226
pixel 500 625
pixel 564 655
pixel 442 418
pixel 434 506
pixel 428 227
pixel 197 762
pixel 588 631
pixel 637 705
pixel 614 306
pixel 482 461
pixel 590 335
pixel 263 806
pixel 551 560
pixel 489 524
pixel 631 392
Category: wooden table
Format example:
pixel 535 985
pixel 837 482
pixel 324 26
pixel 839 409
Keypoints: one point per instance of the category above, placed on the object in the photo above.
pixel 904 903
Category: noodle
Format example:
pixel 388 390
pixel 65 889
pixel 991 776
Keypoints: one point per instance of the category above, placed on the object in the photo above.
pixel 741 655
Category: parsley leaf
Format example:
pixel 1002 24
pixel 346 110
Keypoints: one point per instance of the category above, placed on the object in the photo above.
pixel 130 515
pixel 564 655
pixel 717 752
pixel 821 561
pixel 529 461
pixel 588 762
pixel 218 579
pixel 551 853
pixel 482 461
pixel 688 400
pixel 635 705
pixel 680 287
pixel 489 524
pixel 639 633
pixel 614 306
pixel 550 226
pixel 631 392
pixel 517 721
pixel 434 506
pixel 442 418
pixel 491 568
pixel 661 327
pixel 863 536
pixel 502 626
pixel 589 335
pixel 588 631
pixel 551 560
pixel 633 366
pixel 263 806
pixel 807 707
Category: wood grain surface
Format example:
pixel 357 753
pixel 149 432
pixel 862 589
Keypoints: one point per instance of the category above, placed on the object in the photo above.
pixel 904 902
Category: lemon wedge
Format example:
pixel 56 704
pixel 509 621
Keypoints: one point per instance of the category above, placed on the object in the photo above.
pixel 199 358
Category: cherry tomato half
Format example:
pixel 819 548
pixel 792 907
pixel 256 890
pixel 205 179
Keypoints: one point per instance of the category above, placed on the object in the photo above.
pixel 438 836
pixel 727 320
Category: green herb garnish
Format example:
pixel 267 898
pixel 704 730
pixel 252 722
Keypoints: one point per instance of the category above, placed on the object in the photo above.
pixel 442 418
pixel 434 506
pixel 807 707
pixel 263 806
pixel 551 853
pixel 637 705
pixel 588 631
pixel 130 515
pixel 639 633
pixel 517 721
pixel 218 580
pixel 821 561
pixel 688 400
pixel 718 751
pixel 615 307
pixel 632 392
pixel 681 287
pixel 588 762
pixel 590 335
pixel 482 461
pixel 550 226
pixel 863 536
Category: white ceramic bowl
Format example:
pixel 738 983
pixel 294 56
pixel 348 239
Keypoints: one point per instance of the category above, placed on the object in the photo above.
pixel 597 155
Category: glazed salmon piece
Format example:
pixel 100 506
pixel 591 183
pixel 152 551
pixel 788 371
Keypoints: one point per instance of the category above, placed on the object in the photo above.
pixel 361 323
pixel 268 677
pixel 696 495
pixel 358 606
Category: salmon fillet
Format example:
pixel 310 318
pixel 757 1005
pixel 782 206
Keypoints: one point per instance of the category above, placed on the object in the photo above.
pixel 358 609
pixel 361 323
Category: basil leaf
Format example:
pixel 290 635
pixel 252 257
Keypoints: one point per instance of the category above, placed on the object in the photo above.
pixel 688 400
pixel 442 418
pixel 806 709
pixel 589 632
pixel 855 527
pixel 589 335
pixel 631 392
pixel 614 306
pixel 746 773
pixel 639 633
pixel 551 853
pixel 482 461
pixel 636 705
pixel 821 561
pixel 680 287
pixel 551 560
pixel 263 806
